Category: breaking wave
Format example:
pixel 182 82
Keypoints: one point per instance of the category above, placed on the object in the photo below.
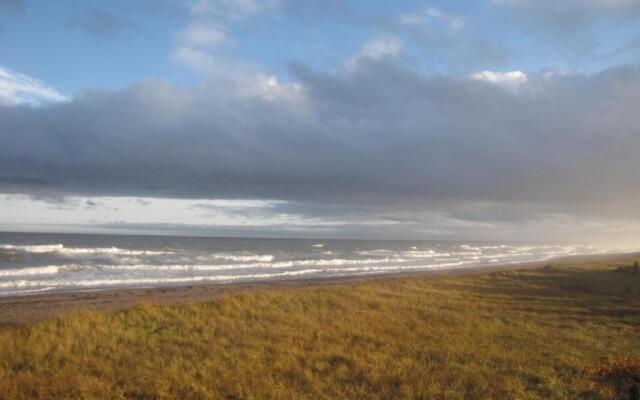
pixel 61 249
pixel 41 267
pixel 38 248
pixel 49 270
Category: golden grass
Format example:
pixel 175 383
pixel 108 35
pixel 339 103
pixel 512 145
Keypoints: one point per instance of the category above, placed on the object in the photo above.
pixel 511 335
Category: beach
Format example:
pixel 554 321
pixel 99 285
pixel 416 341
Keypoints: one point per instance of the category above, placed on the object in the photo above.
pixel 563 328
pixel 16 310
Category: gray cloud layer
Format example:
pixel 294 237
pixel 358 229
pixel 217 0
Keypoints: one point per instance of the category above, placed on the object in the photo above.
pixel 376 136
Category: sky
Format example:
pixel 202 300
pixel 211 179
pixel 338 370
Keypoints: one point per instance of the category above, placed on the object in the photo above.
pixel 483 119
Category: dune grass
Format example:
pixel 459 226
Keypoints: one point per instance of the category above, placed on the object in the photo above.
pixel 538 334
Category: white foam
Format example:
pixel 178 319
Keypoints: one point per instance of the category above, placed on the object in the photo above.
pixel 61 249
pixel 425 254
pixel 113 282
pixel 239 257
pixel 111 251
pixel 254 265
pixel 410 267
pixel 48 270
pixel 34 248
pixel 346 261
pixel 377 252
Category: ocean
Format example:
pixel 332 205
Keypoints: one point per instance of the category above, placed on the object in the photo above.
pixel 37 263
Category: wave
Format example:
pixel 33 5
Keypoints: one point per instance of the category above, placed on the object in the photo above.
pixel 112 251
pixel 26 286
pixel 48 270
pixel 118 282
pixel 376 252
pixel 82 268
pixel 413 253
pixel 61 249
pixel 335 262
pixel 240 258
pixel 254 265
pixel 242 262
pixel 425 254
pixel 33 248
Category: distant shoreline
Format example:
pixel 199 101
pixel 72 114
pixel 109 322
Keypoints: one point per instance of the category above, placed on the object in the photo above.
pixel 19 309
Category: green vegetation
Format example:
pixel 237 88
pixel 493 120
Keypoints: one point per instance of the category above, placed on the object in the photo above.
pixel 560 332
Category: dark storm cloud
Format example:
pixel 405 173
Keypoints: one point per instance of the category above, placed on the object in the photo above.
pixel 54 201
pixel 377 137
pixel 101 23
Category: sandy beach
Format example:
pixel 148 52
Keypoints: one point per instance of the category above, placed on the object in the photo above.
pixel 16 310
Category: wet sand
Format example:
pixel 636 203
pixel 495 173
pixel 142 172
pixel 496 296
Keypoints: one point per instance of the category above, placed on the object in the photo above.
pixel 17 310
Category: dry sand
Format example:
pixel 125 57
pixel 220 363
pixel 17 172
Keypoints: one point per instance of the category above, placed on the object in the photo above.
pixel 16 310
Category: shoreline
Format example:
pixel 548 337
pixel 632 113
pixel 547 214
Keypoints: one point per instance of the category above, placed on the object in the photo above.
pixel 17 310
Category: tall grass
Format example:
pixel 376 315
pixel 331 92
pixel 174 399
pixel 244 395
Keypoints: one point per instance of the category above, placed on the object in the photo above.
pixel 512 335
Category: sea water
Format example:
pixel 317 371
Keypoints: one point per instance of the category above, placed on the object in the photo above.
pixel 37 263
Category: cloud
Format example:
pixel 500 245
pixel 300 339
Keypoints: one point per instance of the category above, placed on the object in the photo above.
pixel 231 9
pixel 16 88
pixel 432 14
pixel 450 40
pixel 381 138
pixel 512 80
pixel 553 228
pixel 375 146
pixel 201 36
pixel 383 48
pixel 197 45
pixel 91 203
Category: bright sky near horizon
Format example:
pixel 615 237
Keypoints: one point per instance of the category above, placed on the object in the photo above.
pixel 484 119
